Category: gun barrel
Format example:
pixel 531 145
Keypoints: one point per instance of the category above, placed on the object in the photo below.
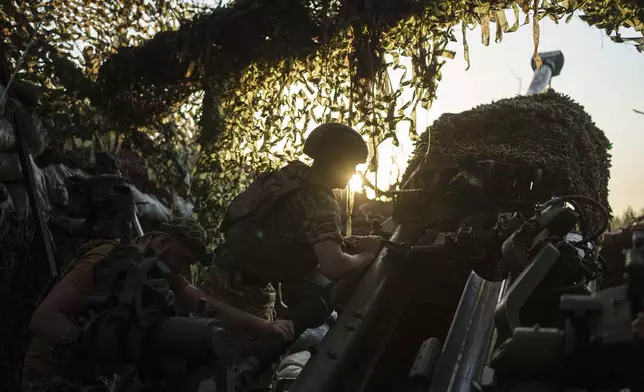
pixel 540 80
pixel 336 352
pixel 552 63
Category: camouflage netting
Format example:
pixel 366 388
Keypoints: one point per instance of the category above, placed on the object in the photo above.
pixel 207 96
pixel 549 131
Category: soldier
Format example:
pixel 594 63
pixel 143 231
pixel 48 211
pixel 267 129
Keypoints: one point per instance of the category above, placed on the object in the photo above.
pixel 178 244
pixel 287 224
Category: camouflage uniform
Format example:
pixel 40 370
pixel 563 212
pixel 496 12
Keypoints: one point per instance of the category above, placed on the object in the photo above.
pixel 270 230
pixel 71 370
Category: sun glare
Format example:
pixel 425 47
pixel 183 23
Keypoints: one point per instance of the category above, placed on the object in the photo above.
pixel 391 158
pixel 355 183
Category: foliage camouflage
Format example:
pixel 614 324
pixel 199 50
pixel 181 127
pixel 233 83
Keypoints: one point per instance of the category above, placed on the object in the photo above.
pixel 209 97
pixel 547 131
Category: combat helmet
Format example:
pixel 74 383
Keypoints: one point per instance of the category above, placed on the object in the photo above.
pixel 187 231
pixel 336 141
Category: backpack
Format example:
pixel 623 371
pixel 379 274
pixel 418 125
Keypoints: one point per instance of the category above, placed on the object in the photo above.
pixel 249 210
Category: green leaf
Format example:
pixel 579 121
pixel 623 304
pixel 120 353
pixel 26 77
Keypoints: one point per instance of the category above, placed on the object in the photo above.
pixel 450 54
pixel 485 29
pixel 515 26
pixel 466 47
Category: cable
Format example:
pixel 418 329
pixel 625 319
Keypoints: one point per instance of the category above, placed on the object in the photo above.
pixel 582 218
pixel 601 208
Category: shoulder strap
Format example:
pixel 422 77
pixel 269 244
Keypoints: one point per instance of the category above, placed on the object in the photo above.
pixel 262 196
pixel 70 264
pixel 81 252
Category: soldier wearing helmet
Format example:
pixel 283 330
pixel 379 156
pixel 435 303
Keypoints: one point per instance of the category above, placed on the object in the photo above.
pixel 287 224
pixel 178 244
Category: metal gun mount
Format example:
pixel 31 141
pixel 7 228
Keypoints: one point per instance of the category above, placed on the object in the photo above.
pixel 372 325
pixel 595 347
pixel 368 320
pixel 552 64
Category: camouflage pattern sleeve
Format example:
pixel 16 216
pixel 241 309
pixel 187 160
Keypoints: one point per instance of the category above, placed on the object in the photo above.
pixel 319 216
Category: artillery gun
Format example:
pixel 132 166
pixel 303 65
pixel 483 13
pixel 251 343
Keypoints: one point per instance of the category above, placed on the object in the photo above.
pixel 404 328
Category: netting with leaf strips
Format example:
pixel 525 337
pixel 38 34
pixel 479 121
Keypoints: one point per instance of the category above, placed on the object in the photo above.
pixel 547 131
pixel 258 73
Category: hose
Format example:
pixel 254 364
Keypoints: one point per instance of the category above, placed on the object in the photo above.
pixel 600 207
pixel 582 218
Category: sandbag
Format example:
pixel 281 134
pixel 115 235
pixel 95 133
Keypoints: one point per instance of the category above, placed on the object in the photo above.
pixel 149 207
pixel 9 167
pixel 32 130
pixel 7 136
pixel 55 179
pixel 6 207
pixel 182 207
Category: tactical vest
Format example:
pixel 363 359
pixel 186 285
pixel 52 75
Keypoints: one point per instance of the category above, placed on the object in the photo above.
pixel 246 217
pixel 131 292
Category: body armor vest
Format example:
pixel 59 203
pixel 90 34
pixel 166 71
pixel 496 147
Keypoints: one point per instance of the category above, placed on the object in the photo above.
pixel 245 222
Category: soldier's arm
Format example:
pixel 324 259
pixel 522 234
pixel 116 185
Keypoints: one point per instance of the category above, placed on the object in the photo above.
pixel 321 226
pixel 51 320
pixel 233 318
pixel 335 264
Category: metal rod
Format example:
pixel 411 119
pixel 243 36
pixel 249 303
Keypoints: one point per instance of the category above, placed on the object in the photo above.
pixel 138 230
pixel 34 202
pixel 24 158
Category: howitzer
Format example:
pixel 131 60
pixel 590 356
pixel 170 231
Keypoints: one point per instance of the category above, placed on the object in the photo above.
pixel 513 241
pixel 389 333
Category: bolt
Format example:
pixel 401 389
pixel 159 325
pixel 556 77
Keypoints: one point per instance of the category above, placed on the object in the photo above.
pixel 357 314
pixel 350 327
pixel 332 354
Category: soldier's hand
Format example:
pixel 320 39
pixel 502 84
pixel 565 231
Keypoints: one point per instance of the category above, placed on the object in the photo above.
pixel 352 242
pixel 370 244
pixel 282 327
